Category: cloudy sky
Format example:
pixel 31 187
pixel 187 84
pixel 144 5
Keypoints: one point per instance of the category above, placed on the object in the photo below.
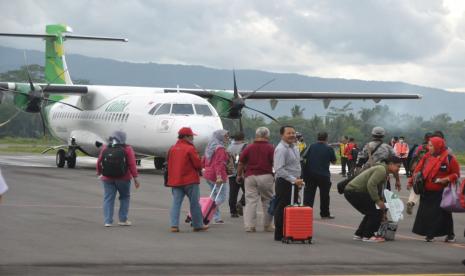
pixel 419 41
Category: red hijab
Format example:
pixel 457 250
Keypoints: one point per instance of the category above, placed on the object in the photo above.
pixel 432 162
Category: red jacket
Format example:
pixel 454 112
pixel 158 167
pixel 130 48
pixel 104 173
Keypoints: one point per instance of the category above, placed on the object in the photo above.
pixel 131 162
pixel 448 169
pixel 183 164
pixel 348 151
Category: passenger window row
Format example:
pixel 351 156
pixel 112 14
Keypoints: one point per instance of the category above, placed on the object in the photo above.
pixel 100 116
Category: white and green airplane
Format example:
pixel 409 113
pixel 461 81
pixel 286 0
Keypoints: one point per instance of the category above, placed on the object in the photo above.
pixel 84 116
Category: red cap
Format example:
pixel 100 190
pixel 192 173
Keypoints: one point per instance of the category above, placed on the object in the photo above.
pixel 186 131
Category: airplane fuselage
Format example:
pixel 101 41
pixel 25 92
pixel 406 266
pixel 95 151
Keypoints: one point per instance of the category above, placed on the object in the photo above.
pixel 150 117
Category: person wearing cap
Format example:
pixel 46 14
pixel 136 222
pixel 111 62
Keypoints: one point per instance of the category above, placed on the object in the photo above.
pixel 214 162
pixel 374 152
pixel 364 194
pixel 184 166
pixel 121 184
pixel 401 149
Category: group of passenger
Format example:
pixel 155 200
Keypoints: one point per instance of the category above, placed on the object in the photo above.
pixel 262 171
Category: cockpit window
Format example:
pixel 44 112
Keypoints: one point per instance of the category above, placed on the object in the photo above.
pixel 164 109
pixel 182 109
pixel 154 109
pixel 203 109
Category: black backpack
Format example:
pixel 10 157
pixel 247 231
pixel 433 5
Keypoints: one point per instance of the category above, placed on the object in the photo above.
pixel 114 161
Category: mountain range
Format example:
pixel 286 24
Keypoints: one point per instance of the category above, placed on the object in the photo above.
pixel 112 72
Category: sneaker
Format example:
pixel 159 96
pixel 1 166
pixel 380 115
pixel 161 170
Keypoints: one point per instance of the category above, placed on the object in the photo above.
pixel 201 229
pixel 429 239
pixel 450 238
pixel 235 215
pixel 125 223
pixel 250 229
pixel 174 229
pixel 219 221
pixel 269 228
pixel 108 225
pixel 373 239
pixel 410 207
pixel 357 238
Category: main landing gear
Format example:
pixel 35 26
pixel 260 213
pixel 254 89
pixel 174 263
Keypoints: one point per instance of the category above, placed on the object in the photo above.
pixel 158 162
pixel 68 157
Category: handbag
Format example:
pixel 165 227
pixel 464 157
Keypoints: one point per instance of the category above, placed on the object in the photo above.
pixel 419 183
pixel 387 230
pixel 450 198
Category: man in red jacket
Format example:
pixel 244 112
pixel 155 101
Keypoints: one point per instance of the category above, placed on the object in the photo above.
pixel 183 178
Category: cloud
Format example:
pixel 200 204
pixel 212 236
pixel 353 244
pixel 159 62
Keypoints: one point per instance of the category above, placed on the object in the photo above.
pixel 378 40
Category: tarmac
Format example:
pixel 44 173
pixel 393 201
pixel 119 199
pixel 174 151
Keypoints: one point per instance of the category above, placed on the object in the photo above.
pixel 51 223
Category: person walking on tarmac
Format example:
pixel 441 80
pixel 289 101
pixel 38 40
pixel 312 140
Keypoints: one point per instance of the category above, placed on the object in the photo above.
pixel 317 175
pixel 401 149
pixel 364 194
pixel 342 153
pixel 374 152
pixel 183 177
pixel 301 145
pixel 235 149
pixel 286 164
pixel 351 151
pixel 116 166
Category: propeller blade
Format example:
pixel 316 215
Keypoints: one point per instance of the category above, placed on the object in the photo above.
pixel 11 118
pixel 255 91
pixel 236 92
pixel 31 84
pixel 42 118
pixel 263 113
pixel 70 105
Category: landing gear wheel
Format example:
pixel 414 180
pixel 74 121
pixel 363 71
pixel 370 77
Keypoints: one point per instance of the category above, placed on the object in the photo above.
pixel 61 158
pixel 158 162
pixel 71 160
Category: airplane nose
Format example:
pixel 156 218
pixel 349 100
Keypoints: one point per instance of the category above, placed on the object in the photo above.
pixel 204 133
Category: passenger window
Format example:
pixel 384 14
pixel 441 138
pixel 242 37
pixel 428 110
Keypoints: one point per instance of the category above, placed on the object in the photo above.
pixel 164 109
pixel 203 109
pixel 152 111
pixel 182 109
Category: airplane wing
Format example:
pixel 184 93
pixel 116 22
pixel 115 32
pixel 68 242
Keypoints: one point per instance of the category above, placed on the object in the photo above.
pixel 56 89
pixel 291 95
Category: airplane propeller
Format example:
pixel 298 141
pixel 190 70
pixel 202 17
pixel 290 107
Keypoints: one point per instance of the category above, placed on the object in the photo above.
pixel 238 102
pixel 36 99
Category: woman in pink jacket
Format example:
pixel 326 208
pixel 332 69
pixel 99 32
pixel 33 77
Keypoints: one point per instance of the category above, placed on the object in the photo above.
pixel 214 163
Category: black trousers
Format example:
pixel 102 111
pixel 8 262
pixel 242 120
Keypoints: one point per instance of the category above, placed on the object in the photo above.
pixel 312 182
pixel 283 191
pixel 344 163
pixel 351 166
pixel 365 205
pixel 234 188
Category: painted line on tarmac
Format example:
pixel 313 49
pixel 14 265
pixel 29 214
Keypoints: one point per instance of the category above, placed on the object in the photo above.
pixel 405 237
pixel 76 206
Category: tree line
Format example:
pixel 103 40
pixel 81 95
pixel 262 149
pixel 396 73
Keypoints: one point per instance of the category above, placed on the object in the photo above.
pixel 337 121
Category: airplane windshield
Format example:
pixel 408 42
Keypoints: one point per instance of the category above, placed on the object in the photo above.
pixel 164 109
pixel 152 111
pixel 182 109
pixel 203 109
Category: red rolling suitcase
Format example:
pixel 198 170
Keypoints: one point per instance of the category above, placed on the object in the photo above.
pixel 297 221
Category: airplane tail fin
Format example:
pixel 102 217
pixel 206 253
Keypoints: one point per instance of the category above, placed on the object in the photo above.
pixel 56 70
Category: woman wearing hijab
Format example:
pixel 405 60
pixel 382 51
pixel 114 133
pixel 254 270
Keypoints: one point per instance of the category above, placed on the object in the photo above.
pixel 438 169
pixel 214 162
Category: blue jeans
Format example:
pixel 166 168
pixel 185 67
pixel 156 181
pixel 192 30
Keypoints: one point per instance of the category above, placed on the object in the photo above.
pixel 224 196
pixel 110 187
pixel 193 193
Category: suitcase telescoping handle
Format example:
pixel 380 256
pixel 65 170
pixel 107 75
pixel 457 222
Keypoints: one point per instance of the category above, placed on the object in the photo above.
pixel 219 191
pixel 302 197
